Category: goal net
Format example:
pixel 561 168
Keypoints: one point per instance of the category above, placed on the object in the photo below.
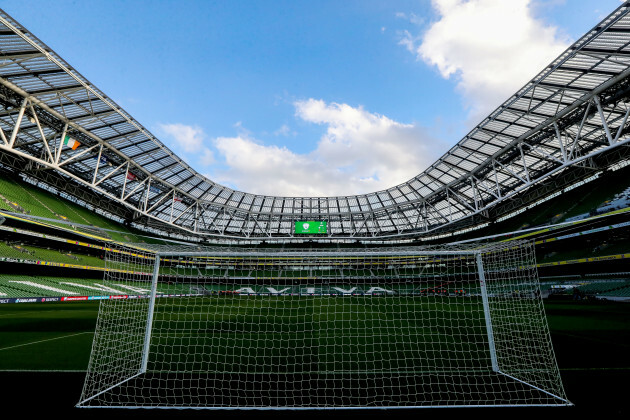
pixel 235 328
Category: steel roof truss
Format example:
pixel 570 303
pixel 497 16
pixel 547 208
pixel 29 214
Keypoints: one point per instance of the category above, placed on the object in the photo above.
pixel 542 154
pixel 487 189
pixel 110 173
pixel 138 186
pixel 16 127
pixel 183 212
pixel 509 171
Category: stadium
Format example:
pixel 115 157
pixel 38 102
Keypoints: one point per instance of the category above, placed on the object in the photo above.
pixel 496 278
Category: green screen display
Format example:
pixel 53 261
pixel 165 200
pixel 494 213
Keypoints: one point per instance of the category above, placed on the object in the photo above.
pixel 311 227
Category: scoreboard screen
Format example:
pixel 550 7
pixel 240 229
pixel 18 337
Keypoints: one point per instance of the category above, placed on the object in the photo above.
pixel 311 227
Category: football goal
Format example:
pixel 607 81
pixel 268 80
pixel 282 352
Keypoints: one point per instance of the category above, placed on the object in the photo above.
pixel 264 328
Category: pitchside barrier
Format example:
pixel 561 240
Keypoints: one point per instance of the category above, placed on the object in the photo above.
pixel 327 329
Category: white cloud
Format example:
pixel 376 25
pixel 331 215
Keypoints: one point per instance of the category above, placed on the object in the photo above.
pixel 206 158
pixel 264 169
pixel 359 152
pixel 190 141
pixel 284 131
pixel 491 47
pixel 411 17
pixel 188 138
pixel 409 41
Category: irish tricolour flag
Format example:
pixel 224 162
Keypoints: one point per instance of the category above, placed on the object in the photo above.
pixel 70 142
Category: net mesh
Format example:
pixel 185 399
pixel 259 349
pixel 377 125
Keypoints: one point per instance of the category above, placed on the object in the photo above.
pixel 261 328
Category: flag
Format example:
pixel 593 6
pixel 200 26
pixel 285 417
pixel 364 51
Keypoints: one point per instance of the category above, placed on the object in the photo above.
pixel 103 159
pixel 177 198
pixel 130 176
pixel 70 142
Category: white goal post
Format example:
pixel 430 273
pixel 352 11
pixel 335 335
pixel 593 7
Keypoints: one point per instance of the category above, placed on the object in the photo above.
pixel 265 328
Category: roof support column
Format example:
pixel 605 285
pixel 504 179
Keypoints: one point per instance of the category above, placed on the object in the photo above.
pixel 604 124
pixel 60 147
pixel 623 123
pixel 16 128
pixel 559 136
pixel 520 148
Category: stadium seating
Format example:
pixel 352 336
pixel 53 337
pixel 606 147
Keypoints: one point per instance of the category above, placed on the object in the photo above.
pixel 32 253
pixel 20 285
pixel 19 196
pixel 57 210
pixel 602 288
pixel 621 292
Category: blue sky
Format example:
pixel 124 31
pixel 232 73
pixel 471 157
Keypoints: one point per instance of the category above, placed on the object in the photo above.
pixel 309 98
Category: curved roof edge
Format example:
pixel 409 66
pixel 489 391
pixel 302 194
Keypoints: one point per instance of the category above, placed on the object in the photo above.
pixel 547 127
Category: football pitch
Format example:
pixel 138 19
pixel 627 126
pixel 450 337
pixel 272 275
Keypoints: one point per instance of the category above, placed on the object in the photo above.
pixel 45 348
pixel 317 351
pixel 58 336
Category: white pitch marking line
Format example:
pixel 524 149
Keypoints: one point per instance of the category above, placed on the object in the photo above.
pixel 42 341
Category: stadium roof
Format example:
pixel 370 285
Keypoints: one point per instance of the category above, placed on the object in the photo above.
pixel 568 120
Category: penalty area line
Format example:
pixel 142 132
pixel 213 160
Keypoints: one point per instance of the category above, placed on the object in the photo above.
pixel 43 341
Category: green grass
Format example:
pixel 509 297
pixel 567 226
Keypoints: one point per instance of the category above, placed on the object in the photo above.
pixel 585 335
pixel 591 340
pixel 57 336
pixel 48 337
pixel 593 324
pixel 305 334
